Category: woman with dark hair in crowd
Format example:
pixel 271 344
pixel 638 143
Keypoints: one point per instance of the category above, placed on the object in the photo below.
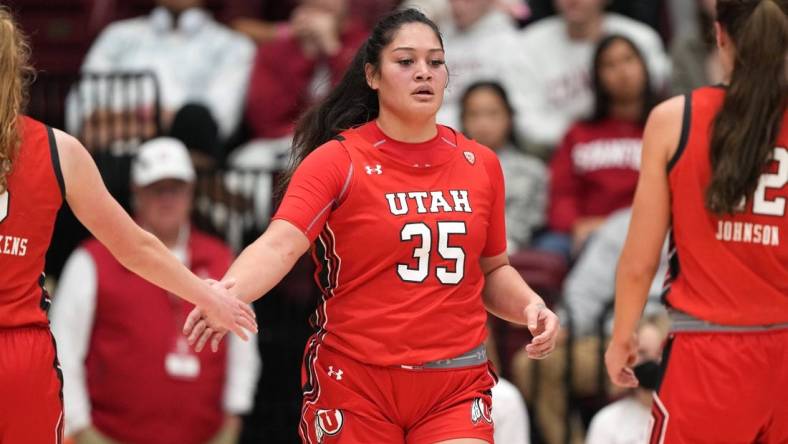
pixel 715 173
pixel 595 169
pixel 406 219
pixel 487 117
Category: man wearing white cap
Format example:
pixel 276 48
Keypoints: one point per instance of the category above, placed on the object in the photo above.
pixel 129 374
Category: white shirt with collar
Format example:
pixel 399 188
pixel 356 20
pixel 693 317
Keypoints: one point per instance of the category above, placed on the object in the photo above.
pixel 72 315
pixel 196 60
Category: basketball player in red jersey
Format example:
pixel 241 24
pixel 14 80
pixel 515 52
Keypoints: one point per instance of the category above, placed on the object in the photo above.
pixel 39 168
pixel 715 171
pixel 407 220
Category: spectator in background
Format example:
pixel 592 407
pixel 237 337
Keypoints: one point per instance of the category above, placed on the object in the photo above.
pixel 195 59
pixel 555 80
pixel 290 73
pixel 439 11
pixel 509 412
pixel 129 373
pixel 265 20
pixel 195 128
pixel 627 420
pixel 487 116
pixel 293 71
pixel 588 293
pixel 595 170
pixel 696 61
pixel 474 39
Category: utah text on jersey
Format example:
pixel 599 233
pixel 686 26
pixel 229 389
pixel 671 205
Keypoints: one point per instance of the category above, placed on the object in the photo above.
pixel 429 202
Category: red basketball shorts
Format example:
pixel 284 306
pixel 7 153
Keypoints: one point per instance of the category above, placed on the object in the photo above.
pixel 31 403
pixel 723 388
pixel 348 402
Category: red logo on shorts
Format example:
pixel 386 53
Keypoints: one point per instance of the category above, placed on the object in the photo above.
pixel 328 422
pixel 480 410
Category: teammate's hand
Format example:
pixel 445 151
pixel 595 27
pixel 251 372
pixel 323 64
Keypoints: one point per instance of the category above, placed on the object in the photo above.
pixel 224 312
pixel 544 327
pixel 199 333
pixel 619 359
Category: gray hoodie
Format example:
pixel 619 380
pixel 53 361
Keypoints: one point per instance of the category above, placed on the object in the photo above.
pixel 591 284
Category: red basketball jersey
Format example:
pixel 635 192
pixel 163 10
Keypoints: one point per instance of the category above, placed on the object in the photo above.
pixel 731 269
pixel 398 260
pixel 27 217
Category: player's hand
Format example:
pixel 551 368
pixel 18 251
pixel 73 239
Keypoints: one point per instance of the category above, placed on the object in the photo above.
pixel 224 312
pixel 199 333
pixel 544 327
pixel 619 359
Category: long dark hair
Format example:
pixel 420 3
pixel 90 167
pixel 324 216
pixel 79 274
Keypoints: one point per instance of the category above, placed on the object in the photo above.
pixel 352 102
pixel 602 98
pixel 746 128
pixel 499 91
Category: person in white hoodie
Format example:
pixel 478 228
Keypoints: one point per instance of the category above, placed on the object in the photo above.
pixel 478 32
pixel 554 62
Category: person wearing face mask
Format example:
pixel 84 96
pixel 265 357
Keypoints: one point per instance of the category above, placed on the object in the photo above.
pixel 626 420
pixel 588 290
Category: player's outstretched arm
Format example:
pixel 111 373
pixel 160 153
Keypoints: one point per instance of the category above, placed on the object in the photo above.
pixel 267 260
pixel 255 272
pixel 650 220
pixel 136 249
pixel 507 296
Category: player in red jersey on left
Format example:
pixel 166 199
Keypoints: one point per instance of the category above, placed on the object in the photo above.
pixel 406 218
pixel 39 169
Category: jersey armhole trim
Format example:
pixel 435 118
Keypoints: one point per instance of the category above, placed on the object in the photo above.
pixel 686 120
pixel 56 161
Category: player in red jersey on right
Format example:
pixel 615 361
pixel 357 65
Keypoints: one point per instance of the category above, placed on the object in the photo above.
pixel 715 171
pixel 407 220
pixel 39 169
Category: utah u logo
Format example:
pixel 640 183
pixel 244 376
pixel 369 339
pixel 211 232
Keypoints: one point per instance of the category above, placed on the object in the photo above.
pixel 328 422
pixel 377 170
pixel 480 410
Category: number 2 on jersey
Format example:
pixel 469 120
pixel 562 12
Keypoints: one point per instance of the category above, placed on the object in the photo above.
pixel 422 252
pixel 776 207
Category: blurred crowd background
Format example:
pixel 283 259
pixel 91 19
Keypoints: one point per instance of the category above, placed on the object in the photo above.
pixel 188 107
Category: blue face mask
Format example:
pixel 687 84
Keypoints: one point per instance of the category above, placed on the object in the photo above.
pixel 648 374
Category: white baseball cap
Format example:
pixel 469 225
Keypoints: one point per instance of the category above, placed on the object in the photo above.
pixel 159 159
